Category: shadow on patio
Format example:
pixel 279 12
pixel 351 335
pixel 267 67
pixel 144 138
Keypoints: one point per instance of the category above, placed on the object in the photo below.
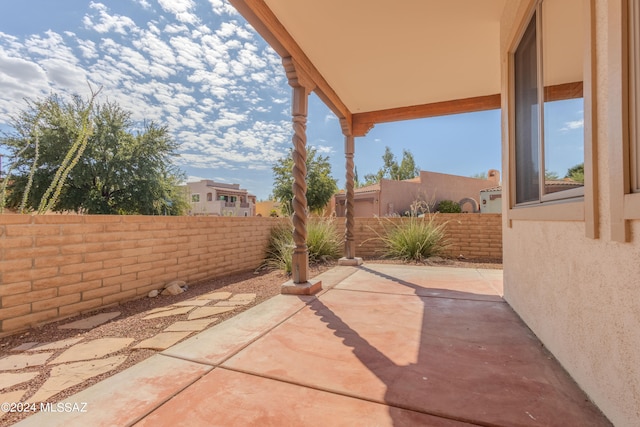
pixel 385 345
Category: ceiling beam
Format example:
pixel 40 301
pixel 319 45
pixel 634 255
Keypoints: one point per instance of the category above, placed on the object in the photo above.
pixel 258 14
pixel 363 122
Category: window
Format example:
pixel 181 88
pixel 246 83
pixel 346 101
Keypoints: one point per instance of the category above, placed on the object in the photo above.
pixel 548 110
pixel 195 198
pixel 209 197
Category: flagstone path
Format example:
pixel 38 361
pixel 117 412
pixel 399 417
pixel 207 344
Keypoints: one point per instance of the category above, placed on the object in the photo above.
pixel 75 360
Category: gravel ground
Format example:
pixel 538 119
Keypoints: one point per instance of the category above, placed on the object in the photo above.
pixel 265 284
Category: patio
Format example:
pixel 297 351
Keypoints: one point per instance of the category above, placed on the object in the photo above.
pixel 381 345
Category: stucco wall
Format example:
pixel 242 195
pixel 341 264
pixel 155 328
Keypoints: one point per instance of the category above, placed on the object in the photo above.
pixel 581 296
pixel 57 266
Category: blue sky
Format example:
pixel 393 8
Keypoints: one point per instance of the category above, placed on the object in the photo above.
pixel 199 68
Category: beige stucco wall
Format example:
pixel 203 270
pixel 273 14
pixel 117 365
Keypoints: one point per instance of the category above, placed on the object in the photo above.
pixel 581 296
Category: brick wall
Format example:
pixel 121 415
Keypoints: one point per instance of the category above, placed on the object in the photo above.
pixel 57 266
pixel 475 236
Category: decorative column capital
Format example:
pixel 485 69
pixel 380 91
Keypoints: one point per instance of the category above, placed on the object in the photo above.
pixel 297 76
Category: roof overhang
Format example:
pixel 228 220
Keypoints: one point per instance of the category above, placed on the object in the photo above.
pixel 375 61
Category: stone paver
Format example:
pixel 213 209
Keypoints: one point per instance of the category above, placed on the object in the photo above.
pixel 9 379
pixel 91 322
pixel 172 312
pixel 64 376
pixel 201 312
pixel 230 303
pixel 190 325
pixel 12 396
pixel 193 302
pixel 25 346
pixel 163 340
pixel 243 297
pixel 19 361
pixel 160 309
pixel 216 295
pixel 93 349
pixel 56 345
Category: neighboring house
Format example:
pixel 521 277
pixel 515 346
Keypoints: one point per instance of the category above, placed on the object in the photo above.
pixel 491 198
pixel 208 197
pixel 390 197
pixel 268 208
pixel 570 258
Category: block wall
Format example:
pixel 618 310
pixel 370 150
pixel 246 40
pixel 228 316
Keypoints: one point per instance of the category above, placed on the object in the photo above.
pixel 57 266
pixel 475 236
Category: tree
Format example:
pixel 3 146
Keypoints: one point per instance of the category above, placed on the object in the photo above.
pixel 407 168
pixel 551 175
pixel 576 173
pixel 84 157
pixel 320 185
pixel 479 175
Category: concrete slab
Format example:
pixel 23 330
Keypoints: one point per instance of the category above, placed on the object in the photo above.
pixel 21 361
pixel 9 379
pixel 246 400
pixel 91 322
pixel 163 340
pixel 127 396
pixel 217 343
pixel 64 376
pixel 421 354
pixel 166 313
pixel 93 349
pixel 202 312
pixel 160 309
pixel 190 325
pixel 446 282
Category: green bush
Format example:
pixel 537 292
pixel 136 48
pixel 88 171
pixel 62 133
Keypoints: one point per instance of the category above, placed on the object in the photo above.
pixel 449 206
pixel 323 242
pixel 413 239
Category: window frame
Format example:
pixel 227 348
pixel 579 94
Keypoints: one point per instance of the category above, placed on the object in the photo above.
pixel 543 197
pixel 575 207
pixel 195 196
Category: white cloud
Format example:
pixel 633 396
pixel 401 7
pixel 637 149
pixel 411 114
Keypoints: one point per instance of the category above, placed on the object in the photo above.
pixel 573 125
pixel 108 23
pixel 182 9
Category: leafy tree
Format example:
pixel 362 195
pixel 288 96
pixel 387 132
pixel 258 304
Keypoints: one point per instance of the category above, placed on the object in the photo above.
pixel 479 175
pixel 112 170
pixel 576 173
pixel 406 169
pixel 551 175
pixel 320 185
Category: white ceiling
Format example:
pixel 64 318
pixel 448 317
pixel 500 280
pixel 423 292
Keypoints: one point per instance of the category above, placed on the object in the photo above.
pixel 384 54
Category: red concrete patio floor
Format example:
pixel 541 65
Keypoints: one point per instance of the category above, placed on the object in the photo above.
pixel 382 345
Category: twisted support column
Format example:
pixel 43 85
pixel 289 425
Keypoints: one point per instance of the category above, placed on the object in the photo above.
pixel 350 224
pixel 302 85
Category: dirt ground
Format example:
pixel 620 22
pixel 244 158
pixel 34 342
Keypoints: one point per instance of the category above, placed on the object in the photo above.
pixel 130 323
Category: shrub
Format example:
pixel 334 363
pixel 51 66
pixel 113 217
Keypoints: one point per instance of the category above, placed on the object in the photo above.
pixel 280 247
pixel 413 239
pixel 323 242
pixel 449 206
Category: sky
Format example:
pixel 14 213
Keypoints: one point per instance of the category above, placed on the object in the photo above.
pixel 197 67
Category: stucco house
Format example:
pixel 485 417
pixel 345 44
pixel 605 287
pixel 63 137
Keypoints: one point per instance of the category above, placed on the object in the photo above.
pixel 208 197
pixel 571 267
pixel 392 197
